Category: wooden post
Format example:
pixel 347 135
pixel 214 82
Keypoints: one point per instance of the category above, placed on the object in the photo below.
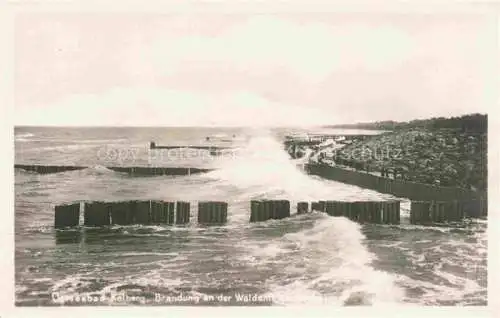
pixel 274 209
pixel 483 207
pixel 142 212
pixel 157 213
pixel 415 212
pixel 363 215
pixel 96 214
pixel 397 211
pixel 389 184
pixel 202 212
pixel 426 216
pixel 302 207
pixel 377 214
pixel 421 212
pixel 451 211
pixel 356 210
pixel 438 212
pixel 267 207
pixel 391 205
pixel 284 209
pixel 330 207
pixel 169 210
pixel 351 210
pixel 392 212
pixel 223 213
pixel 66 215
pixel 182 212
pixel 215 213
pixel 254 211
pixel 434 212
pixel 322 206
pixel 370 212
pixel 385 212
pixel 314 206
pixel 388 211
pixel 377 207
pixel 212 212
pixel 261 210
pixel 338 208
pixel 318 206
pixel 442 212
pixel 121 213
pixel 472 208
pixel 344 208
pixel 461 209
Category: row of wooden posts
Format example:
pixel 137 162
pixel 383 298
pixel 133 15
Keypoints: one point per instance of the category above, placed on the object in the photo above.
pixel 399 188
pixel 263 210
pixel 379 212
pixel 215 212
pixel 428 212
pixel 134 171
pixel 122 213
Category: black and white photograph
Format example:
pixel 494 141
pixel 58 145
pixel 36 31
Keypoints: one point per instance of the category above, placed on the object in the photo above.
pixel 251 158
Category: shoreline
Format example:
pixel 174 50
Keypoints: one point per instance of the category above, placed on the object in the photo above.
pixel 440 157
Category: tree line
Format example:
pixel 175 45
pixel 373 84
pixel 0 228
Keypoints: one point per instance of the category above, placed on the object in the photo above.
pixel 476 123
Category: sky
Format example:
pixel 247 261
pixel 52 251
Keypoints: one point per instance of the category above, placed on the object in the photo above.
pixel 214 69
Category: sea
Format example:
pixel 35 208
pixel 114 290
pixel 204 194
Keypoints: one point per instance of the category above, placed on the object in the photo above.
pixel 308 259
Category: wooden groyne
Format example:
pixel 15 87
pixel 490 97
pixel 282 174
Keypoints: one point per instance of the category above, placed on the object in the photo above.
pixel 159 171
pixel 430 212
pixel 398 188
pixel 303 207
pixel 182 213
pixel 162 212
pixel 145 212
pixel 134 171
pixel 263 210
pixel 46 169
pixel 212 212
pixel 67 215
pixel 378 212
pixel 99 213
pixel 153 145
pixel 157 212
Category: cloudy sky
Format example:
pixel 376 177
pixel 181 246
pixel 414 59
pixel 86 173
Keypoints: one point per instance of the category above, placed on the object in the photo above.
pixel 237 69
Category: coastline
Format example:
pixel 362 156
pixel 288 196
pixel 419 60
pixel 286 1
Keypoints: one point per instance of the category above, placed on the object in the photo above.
pixel 439 157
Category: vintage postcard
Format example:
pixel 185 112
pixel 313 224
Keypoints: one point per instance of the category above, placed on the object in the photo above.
pixel 250 157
